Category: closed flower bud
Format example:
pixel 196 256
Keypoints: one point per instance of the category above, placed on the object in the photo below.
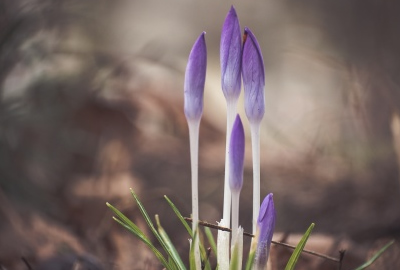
pixel 265 227
pixel 230 56
pixel 195 77
pixel 236 155
pixel 253 78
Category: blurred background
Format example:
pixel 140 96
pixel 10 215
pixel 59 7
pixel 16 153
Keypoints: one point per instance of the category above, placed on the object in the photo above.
pixel 92 104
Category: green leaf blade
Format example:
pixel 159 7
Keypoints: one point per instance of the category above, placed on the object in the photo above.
pixel 299 248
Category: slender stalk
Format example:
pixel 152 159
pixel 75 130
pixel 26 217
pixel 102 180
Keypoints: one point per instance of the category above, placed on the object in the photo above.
pixel 231 114
pixel 235 215
pixel 255 145
pixel 194 158
pixel 223 237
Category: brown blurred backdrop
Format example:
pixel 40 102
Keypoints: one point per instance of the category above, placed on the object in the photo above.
pixel 91 105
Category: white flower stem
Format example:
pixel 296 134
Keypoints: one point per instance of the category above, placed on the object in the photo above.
pixel 194 158
pixel 235 215
pixel 231 113
pixel 223 237
pixel 255 145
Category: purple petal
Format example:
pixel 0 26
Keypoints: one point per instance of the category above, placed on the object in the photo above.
pixel 236 155
pixel 266 225
pixel 253 78
pixel 195 77
pixel 230 51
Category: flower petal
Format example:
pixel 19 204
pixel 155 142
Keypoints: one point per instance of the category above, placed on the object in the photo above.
pixel 230 53
pixel 236 155
pixel 266 225
pixel 253 78
pixel 195 77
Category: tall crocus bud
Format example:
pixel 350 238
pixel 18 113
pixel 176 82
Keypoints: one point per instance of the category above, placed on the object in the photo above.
pixel 236 155
pixel 236 159
pixel 265 227
pixel 254 103
pixel 195 77
pixel 231 52
pixel 230 56
pixel 194 88
pixel 253 78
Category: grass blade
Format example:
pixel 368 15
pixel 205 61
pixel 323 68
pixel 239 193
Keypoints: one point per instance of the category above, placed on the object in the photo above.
pixel 211 240
pixel 179 215
pixel 170 245
pixel 252 253
pixel 153 229
pixel 192 260
pixel 376 256
pixel 145 240
pixel 299 248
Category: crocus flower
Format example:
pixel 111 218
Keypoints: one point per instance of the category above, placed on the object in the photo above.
pixel 194 89
pixel 266 225
pixel 236 158
pixel 195 77
pixel 230 51
pixel 236 155
pixel 253 78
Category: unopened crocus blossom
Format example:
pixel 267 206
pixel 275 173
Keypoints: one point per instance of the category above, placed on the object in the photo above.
pixel 194 90
pixel 236 155
pixel 265 227
pixel 195 77
pixel 254 103
pixel 253 78
pixel 236 159
pixel 230 56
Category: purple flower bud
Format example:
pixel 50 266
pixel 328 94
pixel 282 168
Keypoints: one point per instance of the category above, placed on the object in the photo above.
pixel 236 155
pixel 253 78
pixel 266 225
pixel 230 51
pixel 195 77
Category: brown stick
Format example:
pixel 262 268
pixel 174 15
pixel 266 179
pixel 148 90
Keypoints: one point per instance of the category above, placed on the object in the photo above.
pixel 213 226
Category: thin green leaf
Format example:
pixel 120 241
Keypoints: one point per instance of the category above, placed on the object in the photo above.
pixel 376 256
pixel 179 215
pixel 192 259
pixel 211 240
pixel 170 245
pixel 142 237
pixel 189 230
pixel 234 258
pixel 252 253
pixel 299 248
pixel 122 217
pixel 203 255
pixel 152 228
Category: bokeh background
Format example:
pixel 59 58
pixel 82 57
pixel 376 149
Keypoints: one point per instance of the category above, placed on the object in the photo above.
pixel 92 104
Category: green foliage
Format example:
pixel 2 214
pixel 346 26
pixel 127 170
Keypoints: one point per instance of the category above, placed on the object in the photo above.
pixel 174 261
pixel 376 256
pixel 299 248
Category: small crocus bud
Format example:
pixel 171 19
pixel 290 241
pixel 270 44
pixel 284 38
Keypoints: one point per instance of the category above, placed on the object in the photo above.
pixel 195 77
pixel 265 227
pixel 253 78
pixel 230 56
pixel 236 155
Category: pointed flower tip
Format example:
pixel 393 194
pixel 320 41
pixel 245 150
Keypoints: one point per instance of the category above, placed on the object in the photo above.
pixel 236 155
pixel 230 53
pixel 253 77
pixel 266 225
pixel 195 76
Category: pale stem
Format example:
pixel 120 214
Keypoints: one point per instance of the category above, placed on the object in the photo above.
pixel 194 158
pixel 235 215
pixel 231 114
pixel 255 145
pixel 223 248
